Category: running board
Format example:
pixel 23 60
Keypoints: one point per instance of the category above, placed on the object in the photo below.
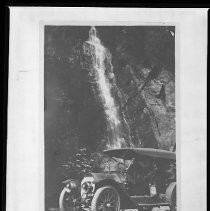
pixel 150 201
pixel 155 205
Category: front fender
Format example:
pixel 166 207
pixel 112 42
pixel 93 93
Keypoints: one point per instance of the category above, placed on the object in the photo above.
pixel 126 202
pixel 67 181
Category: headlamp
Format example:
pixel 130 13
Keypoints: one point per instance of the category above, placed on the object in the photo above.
pixel 71 185
pixel 87 187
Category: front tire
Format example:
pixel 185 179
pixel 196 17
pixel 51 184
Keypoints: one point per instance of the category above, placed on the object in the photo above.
pixel 64 203
pixel 106 199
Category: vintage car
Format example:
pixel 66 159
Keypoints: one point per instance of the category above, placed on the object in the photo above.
pixel 148 180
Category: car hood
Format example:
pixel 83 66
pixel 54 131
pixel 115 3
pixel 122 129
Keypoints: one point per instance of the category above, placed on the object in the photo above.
pixel 113 176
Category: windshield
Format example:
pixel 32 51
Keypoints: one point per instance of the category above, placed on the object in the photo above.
pixel 111 164
pixel 105 163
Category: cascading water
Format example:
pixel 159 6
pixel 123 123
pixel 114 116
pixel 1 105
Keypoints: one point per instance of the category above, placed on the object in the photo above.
pixel 101 59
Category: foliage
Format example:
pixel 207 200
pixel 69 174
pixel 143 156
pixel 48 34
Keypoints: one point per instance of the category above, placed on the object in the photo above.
pixel 82 163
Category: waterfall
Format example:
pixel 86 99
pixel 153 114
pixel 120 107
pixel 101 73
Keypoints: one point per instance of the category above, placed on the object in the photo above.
pixel 101 65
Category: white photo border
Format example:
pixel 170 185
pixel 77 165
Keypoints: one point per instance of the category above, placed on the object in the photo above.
pixel 25 150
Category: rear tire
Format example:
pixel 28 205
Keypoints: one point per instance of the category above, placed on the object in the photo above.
pixel 105 199
pixel 173 201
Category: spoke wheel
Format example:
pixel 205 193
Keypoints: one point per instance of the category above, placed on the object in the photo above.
pixel 106 199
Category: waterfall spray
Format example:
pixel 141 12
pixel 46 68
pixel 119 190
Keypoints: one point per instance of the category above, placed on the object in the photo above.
pixel 100 57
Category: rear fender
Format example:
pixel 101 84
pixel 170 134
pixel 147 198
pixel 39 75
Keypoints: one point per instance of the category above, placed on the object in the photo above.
pixel 126 202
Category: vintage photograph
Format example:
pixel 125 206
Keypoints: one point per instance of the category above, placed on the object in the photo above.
pixel 109 117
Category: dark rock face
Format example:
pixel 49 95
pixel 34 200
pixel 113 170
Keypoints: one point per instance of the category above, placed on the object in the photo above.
pixel 143 60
